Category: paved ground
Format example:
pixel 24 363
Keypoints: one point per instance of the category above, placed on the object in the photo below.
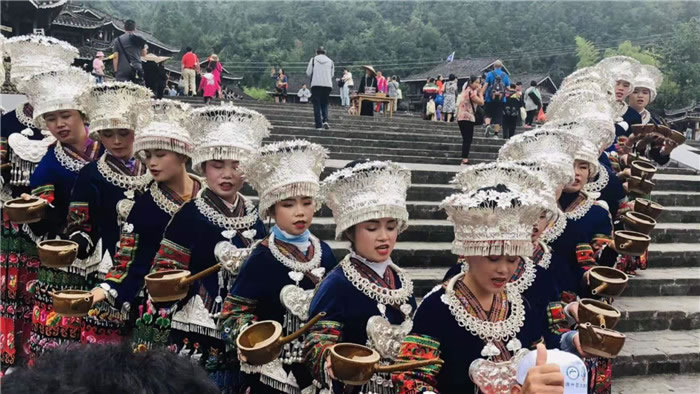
pixel 683 384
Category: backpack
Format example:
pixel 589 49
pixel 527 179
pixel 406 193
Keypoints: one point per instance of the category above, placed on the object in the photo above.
pixel 499 88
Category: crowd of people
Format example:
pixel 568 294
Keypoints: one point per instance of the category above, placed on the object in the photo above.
pixel 182 262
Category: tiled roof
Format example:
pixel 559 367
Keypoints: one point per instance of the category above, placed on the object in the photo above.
pixel 90 18
pixel 461 68
pixel 47 3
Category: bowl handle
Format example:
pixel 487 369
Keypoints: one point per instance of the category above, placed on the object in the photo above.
pixel 601 321
pixel 624 245
pixel 408 366
pixel 601 287
pixel 186 281
pixel 588 327
pixel 306 327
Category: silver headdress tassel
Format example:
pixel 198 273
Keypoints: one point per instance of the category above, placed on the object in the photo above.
pixel 286 169
pixel 225 132
pixel 161 127
pixel 55 91
pixel 113 105
pixel 366 191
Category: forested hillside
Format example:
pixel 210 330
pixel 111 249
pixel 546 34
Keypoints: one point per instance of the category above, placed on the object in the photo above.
pixel 403 37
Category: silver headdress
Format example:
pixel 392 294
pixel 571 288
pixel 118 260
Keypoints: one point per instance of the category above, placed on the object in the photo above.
pixel 594 119
pixel 225 132
pixel 588 77
pixel 494 220
pixel 369 190
pixel 563 100
pixel 284 170
pixel 620 68
pixel 55 91
pixel 113 105
pixel 2 63
pixel 545 149
pixel 648 77
pixel 34 54
pixel 587 151
pixel 519 178
pixel 161 127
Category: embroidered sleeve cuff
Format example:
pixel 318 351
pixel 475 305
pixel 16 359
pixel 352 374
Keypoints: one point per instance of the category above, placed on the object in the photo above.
pixel 417 347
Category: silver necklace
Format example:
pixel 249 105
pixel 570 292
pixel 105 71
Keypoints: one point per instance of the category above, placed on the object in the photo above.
pixel 163 202
pixel 600 183
pixel 581 210
pixel 526 279
pixel 298 269
pixel 129 182
pixel 552 233
pixel 378 293
pixel 488 331
pixel 69 163
pixel 229 223
pixel 546 258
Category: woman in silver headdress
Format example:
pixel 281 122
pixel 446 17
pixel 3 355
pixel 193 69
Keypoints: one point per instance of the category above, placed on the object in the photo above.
pixel 367 299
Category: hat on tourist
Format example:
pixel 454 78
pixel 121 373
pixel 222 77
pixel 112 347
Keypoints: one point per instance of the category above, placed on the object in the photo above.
pixel 55 91
pixel 648 77
pixel 498 217
pixel 34 54
pixel 113 105
pixel 214 57
pixel 620 68
pixel 225 132
pixel 161 126
pixel 570 365
pixel 284 170
pixel 321 49
pixel 519 176
pixel 365 191
pixel 544 149
pixel 99 54
pixel 370 69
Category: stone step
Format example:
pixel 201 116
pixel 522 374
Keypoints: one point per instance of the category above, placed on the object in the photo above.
pixel 684 383
pixel 659 352
pixel 438 254
pixel 651 282
pixel 425 230
pixel 676 198
pixel 658 313
pixel 406 154
pixel 431 210
pixel 384 135
pixel 428 148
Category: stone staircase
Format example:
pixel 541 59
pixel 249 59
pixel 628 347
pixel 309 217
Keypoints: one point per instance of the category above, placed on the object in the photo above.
pixel 661 306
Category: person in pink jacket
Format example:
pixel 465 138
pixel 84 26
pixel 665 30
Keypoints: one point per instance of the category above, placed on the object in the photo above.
pixel 214 63
pixel 382 87
pixel 209 86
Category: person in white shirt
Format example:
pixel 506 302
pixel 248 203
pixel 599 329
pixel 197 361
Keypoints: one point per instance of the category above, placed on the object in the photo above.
pixel 304 93
pixel 347 87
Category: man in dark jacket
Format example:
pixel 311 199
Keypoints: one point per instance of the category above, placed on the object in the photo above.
pixel 128 49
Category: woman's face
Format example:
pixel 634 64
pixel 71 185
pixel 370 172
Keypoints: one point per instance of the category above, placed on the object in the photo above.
pixel 475 84
pixel 491 273
pixel 639 99
pixel 294 215
pixel 119 142
pixel 582 172
pixel 164 165
pixel 66 126
pixel 375 239
pixel 224 178
pixel 622 90
pixel 539 226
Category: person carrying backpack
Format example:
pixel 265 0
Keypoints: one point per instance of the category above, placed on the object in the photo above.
pixel 496 82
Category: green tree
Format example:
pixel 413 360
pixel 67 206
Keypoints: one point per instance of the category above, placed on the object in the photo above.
pixel 587 53
pixel 680 64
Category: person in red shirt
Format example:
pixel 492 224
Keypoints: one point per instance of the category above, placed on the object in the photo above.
pixel 189 70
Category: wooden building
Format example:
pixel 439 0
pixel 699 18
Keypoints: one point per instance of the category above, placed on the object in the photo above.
pixel 20 17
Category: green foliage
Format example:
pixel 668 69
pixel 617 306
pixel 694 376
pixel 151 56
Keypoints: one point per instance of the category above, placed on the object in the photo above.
pixel 680 63
pixel 408 36
pixel 587 53
pixel 626 48
pixel 257 93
